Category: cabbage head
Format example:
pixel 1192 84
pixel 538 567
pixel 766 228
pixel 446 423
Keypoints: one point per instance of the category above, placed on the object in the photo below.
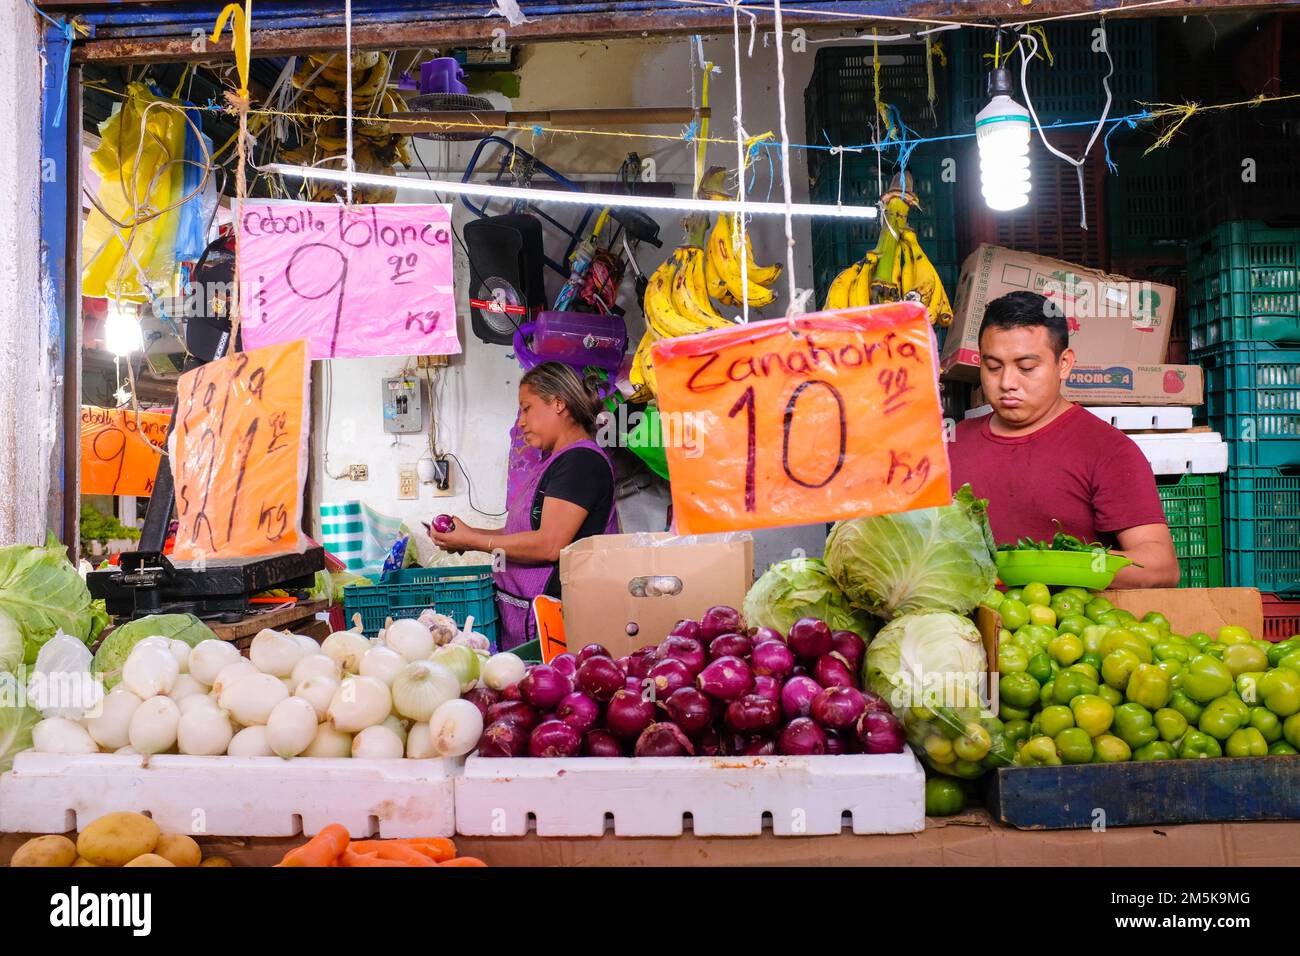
pixel 11 644
pixel 802 587
pixel 927 659
pixel 929 559
pixel 43 594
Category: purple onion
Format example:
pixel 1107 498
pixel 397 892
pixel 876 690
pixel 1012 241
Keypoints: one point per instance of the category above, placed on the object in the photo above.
pixel 628 714
pixel 566 664
pixel 483 698
pixel 881 733
pixel 503 739
pixel 734 743
pixel 773 659
pixel 622 663
pixel 599 742
pixel 633 685
pixel 690 710
pixel 511 692
pixel 768 687
pixel 797 696
pixel 579 711
pixel 727 678
pixel 444 524
pixel 838 741
pixel 837 706
pixel 544 687
pixel 753 714
pixel 730 645
pixel 800 670
pixel 851 647
pixel 554 738
pixel 685 649
pixel 599 677
pixel 720 620
pixel 516 712
pixel 669 675
pixel 641 660
pixel 809 638
pixel 709 744
pixel 663 740
pixel 876 703
pixel 831 671
pixel 802 737
pixel 592 650
pixel 760 634
pixel 686 628
pixel 760 747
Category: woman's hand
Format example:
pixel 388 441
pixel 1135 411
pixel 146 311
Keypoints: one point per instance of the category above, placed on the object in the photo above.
pixel 461 537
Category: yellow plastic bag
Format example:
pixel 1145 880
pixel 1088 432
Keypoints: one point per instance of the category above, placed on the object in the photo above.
pixel 136 183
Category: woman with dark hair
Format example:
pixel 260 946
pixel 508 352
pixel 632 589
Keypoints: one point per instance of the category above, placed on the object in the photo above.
pixel 569 497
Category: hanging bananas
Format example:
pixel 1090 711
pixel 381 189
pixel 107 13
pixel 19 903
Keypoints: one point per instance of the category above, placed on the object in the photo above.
pixel 722 270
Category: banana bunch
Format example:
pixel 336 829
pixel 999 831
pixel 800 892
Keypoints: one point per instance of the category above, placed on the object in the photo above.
pixel 722 273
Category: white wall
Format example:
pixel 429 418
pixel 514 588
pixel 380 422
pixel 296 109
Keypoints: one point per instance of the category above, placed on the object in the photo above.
pixel 479 390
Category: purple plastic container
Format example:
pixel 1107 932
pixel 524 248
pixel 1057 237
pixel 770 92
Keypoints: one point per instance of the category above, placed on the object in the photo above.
pixel 574 338
pixel 443 75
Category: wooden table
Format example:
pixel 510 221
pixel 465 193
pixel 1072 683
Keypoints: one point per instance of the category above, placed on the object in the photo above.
pixel 300 618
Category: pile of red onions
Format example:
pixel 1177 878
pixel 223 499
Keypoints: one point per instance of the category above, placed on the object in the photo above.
pixel 712 687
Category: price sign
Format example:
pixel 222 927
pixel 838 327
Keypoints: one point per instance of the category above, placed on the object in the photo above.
pixel 353 281
pixel 549 621
pixel 239 454
pixel 116 459
pixel 841 419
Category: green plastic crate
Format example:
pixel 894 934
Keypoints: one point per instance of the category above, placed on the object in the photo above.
pixel 1147 203
pixel 1193 509
pixel 457 592
pixel 1262 528
pixel 1252 398
pixel 1244 285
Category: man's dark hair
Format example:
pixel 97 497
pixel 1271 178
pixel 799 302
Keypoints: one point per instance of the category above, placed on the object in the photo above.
pixel 1027 310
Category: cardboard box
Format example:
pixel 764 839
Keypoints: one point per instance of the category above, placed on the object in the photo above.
pixel 1122 383
pixel 1110 316
pixel 604 578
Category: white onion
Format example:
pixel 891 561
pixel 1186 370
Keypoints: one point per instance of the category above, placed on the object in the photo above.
pixel 382 663
pixel 187 686
pixel 111 728
pixel 422 687
pixel 58 735
pixel 318 691
pixel 419 743
pixel 153 725
pixel 309 645
pixel 208 657
pixel 197 702
pixel 315 665
pixel 250 742
pixel 474 641
pixel 377 743
pixel 251 699
pixel 359 702
pixel 291 727
pixel 329 743
pixel 397 726
pixel 462 662
pixel 501 670
pixel 157 640
pixel 181 651
pixel 150 671
pixel 409 638
pixel 204 732
pixel 229 674
pixel 274 653
pixel 127 751
pixel 442 627
pixel 455 728
pixel 346 648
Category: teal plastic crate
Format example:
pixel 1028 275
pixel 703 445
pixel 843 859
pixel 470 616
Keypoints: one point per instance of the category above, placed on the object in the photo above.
pixel 1252 398
pixel 1244 284
pixel 457 592
pixel 1262 528
pixel 1146 203
pixel 1193 509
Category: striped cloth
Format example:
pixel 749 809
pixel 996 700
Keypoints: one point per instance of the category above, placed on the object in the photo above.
pixel 357 534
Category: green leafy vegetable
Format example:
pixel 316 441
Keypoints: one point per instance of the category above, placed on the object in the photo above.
pixel 1060 542
pixel 16 723
pixel 43 593
pixel 802 587
pixel 11 644
pixel 927 658
pixel 930 559
pixel 113 652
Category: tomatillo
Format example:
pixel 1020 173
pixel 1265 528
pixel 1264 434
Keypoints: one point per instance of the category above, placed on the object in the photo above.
pixel 1095 608
pixel 1189 708
pixel 1017 731
pixel 1012 659
pixel 1070 684
pixel 1018 689
pixel 1065 649
pixel 1074 624
pixel 1074 745
pixel 1039 751
pixel 1092 713
pixel 1015 614
pixel 1117 666
pixel 1246 742
pixel 1134 725
pixel 943 797
pixel 1149 686
pixel 1291 730
pixel 1279 691
pixel 1267 723
pixel 1198 745
pixel 1036 594
pixel 1280 650
pixel 1219 719
pixel 1241 658
pixel 1204 679
pixel 1156 750
pixel 1108 748
pixel 1170 724
pixel 1054 719
pixel 1011 714
pixel 1040 668
pixel 1232 634
pixel 1281 748
pixel 1110 695
pixel 1092 636
pixel 1169 651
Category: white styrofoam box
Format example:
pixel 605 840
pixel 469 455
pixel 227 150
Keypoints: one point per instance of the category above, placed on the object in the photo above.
pixel 1185 453
pixel 725 796
pixel 231 796
pixel 1136 418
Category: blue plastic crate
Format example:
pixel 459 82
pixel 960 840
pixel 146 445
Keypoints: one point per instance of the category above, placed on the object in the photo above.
pixel 1252 398
pixel 1262 528
pixel 457 592
pixel 1244 285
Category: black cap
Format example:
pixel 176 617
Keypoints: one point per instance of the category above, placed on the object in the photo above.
pixel 1000 83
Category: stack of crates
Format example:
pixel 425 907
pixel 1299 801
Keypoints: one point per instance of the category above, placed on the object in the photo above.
pixel 1244 290
pixel 1193 508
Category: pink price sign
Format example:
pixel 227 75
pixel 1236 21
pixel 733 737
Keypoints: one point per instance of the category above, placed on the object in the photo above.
pixel 353 281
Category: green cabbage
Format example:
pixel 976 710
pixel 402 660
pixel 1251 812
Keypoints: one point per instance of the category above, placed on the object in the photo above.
pixel 931 559
pixel 16 723
pixel 43 593
pixel 113 652
pixel 802 587
pixel 927 659
pixel 11 644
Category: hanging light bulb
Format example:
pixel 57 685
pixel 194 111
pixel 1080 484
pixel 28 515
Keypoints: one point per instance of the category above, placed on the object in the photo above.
pixel 1002 131
pixel 122 334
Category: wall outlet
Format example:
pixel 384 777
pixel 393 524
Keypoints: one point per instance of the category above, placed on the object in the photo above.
pixel 408 483
pixel 442 478
pixel 358 473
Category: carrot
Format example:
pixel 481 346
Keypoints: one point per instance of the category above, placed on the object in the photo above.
pixel 436 849
pixel 464 861
pixel 350 858
pixel 321 850
pixel 404 854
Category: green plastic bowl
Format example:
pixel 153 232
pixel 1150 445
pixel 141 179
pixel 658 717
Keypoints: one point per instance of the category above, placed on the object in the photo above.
pixel 1058 569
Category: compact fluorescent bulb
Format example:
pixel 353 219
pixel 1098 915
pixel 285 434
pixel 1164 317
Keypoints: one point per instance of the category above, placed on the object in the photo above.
pixel 1002 132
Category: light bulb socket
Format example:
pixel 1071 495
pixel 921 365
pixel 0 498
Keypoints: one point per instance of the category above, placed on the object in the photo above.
pixel 1000 83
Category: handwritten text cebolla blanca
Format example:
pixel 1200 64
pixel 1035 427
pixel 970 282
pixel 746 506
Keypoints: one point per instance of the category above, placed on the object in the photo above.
pixel 358 230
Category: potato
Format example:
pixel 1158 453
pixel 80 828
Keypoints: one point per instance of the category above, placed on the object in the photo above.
pixel 117 838
pixel 216 861
pixel 82 861
pixel 179 849
pixel 149 859
pixel 45 851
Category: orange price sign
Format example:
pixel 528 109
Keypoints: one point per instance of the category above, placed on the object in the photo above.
pixel 550 627
pixel 838 419
pixel 116 459
pixel 239 454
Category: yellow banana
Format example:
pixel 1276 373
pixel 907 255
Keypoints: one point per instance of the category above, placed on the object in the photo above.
pixel 660 313
pixel 642 374
pixel 765 276
pixel 860 291
pixel 928 285
pixel 692 307
pixel 837 297
pixel 725 268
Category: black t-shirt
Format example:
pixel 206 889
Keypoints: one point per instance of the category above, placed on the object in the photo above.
pixel 582 476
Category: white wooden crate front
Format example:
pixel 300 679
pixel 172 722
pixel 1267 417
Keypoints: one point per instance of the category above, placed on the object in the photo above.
pixel 231 796
pixel 725 796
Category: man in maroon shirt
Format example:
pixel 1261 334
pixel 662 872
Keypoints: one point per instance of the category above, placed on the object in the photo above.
pixel 1039 459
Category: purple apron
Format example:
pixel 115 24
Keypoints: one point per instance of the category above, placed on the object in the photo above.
pixel 518 584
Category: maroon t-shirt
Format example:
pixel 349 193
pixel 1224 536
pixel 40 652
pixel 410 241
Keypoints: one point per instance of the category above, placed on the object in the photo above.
pixel 1079 469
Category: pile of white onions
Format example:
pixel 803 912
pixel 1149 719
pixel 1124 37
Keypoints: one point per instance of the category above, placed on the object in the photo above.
pixel 396 696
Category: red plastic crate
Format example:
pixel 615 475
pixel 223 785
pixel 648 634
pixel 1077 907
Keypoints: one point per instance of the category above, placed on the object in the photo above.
pixel 1281 618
